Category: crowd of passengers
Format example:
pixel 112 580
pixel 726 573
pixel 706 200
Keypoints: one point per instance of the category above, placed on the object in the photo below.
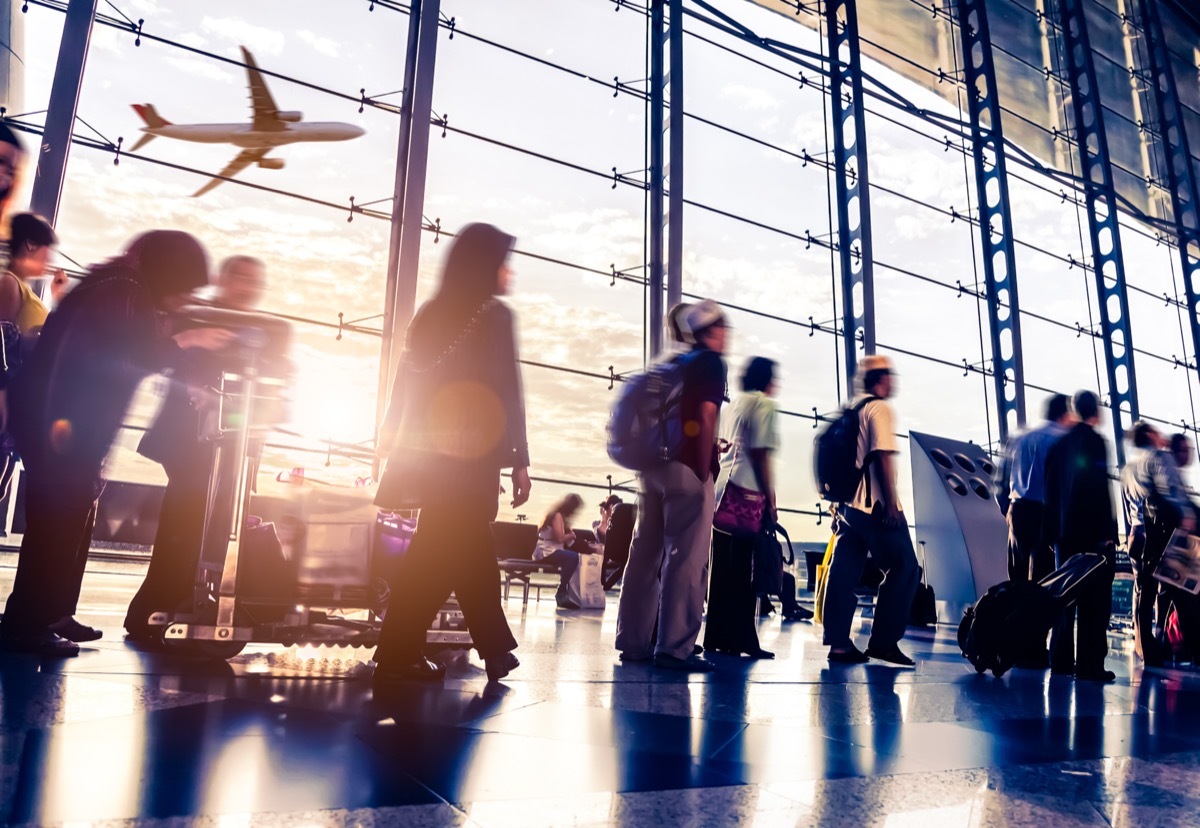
pixel 456 420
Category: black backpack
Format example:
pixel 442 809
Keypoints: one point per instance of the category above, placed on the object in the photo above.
pixel 835 456
pixel 1004 623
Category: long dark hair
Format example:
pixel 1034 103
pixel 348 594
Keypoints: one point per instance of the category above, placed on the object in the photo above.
pixel 166 262
pixel 469 280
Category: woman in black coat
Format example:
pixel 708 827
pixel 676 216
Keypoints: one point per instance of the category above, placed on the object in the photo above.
pixel 455 419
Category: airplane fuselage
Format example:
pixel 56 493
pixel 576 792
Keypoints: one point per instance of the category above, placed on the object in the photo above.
pixel 246 137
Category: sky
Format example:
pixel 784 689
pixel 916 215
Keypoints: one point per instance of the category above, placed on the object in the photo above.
pixel 319 264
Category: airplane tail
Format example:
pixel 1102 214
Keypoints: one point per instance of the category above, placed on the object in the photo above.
pixel 150 115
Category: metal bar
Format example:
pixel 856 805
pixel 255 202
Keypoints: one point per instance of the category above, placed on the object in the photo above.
pixel 674 171
pixel 418 157
pixel 850 176
pixel 64 102
pixel 995 218
pixel 1100 197
pixel 658 81
pixel 391 331
pixel 1181 175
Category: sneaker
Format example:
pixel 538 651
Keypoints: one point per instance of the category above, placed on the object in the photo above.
pixel 44 643
pixel 892 655
pixel 691 664
pixel 72 630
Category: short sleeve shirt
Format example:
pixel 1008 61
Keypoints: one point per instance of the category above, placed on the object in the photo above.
pixel 703 381
pixel 876 435
pixel 750 424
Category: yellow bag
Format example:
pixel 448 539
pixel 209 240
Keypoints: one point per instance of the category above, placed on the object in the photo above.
pixel 822 578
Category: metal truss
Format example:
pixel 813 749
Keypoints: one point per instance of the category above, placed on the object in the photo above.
pixel 1100 196
pixel 666 171
pixel 995 218
pixel 850 176
pixel 1181 175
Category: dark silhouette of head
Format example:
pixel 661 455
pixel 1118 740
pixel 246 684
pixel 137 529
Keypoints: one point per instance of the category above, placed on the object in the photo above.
pixel 1087 406
pixel 758 374
pixel 1057 407
pixel 168 263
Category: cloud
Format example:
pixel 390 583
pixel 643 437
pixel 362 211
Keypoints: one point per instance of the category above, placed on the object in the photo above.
pixel 324 45
pixel 202 68
pixel 750 97
pixel 254 38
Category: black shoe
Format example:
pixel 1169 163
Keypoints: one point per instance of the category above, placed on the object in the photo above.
pixel 851 656
pixel 760 653
pixel 500 666
pixel 1103 676
pixel 72 630
pixel 44 643
pixel 692 664
pixel 892 655
pixel 1062 669
pixel 636 658
pixel 798 614
pixel 697 649
pixel 421 669
pixel 765 608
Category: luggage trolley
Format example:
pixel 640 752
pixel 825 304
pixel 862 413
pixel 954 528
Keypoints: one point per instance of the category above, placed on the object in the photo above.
pixel 245 590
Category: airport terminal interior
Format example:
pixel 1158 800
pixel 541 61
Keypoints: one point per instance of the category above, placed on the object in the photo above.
pixel 850 191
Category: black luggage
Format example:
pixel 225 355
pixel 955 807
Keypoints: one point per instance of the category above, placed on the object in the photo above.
pixel 731 622
pixel 1012 617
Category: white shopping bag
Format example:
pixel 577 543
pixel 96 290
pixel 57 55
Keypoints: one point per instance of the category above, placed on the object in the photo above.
pixel 1180 564
pixel 585 587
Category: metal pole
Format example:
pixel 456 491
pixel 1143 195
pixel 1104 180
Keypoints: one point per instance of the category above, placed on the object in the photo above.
pixel 850 176
pixel 1181 175
pixel 391 331
pixel 64 101
pixel 674 172
pixel 12 57
pixel 658 81
pixel 1108 265
pixel 995 218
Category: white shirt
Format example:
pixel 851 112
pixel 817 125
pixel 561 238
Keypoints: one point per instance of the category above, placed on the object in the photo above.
pixel 876 434
pixel 751 423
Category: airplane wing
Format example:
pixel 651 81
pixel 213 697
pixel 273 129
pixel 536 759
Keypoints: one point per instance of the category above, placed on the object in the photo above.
pixel 264 111
pixel 244 159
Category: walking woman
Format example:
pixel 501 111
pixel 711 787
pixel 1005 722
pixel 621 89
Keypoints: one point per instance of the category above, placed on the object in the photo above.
pixel 745 487
pixel 455 419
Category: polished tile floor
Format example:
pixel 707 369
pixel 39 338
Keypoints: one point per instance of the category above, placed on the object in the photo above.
pixel 573 737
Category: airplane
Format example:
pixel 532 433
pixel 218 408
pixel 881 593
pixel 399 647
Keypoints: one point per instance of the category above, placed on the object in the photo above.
pixel 270 128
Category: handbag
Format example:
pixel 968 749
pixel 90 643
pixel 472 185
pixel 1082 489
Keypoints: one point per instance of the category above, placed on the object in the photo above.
pixel 768 560
pixel 740 511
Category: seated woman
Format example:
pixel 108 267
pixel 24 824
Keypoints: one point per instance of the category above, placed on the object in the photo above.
pixel 554 538
pixel 600 527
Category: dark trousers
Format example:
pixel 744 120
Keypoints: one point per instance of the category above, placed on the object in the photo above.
pixel 892 550
pixel 731 622
pixel 567 561
pixel 451 551
pixel 1145 594
pixel 1026 545
pixel 60 513
pixel 171 576
pixel 1079 641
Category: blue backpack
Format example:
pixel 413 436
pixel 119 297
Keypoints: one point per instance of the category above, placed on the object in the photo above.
pixel 645 429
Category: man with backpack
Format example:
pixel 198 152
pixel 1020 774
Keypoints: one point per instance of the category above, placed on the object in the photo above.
pixel 667 573
pixel 1080 519
pixel 871 520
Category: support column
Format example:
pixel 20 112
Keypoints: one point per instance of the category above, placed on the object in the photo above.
pixel 1108 264
pixel 64 101
pixel 666 164
pixel 408 196
pixel 995 218
pixel 1181 176
pixel 658 82
pixel 850 175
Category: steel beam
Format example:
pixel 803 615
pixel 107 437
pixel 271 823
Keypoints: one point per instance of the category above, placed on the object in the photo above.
pixel 995 218
pixel 1181 175
pixel 64 102
pixel 658 82
pixel 850 176
pixel 392 332
pixel 404 253
pixel 1108 265
pixel 674 170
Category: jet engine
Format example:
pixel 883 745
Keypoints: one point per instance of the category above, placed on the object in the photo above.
pixel 291 116
pixel 271 163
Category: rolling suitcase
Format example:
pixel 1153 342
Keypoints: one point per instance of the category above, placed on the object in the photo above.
pixel 1013 616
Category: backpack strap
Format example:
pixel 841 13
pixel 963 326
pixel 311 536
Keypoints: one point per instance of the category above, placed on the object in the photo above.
pixel 866 466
